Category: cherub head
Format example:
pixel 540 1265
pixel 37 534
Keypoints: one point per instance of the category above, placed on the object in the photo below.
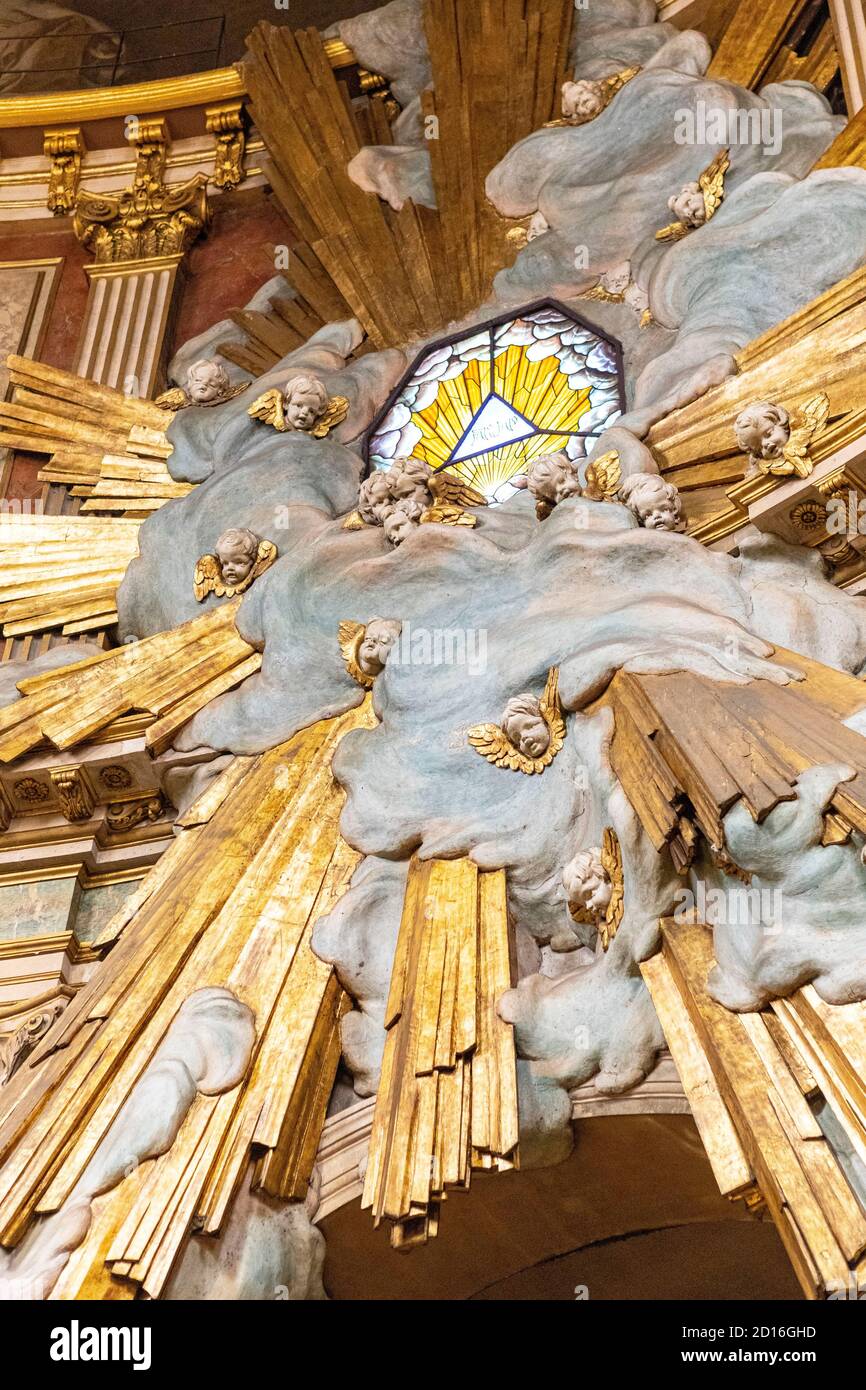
pixel 407 477
pixel 374 498
pixel 380 635
pixel 618 278
pixel 304 400
pixel 553 477
pixel 655 503
pixel 688 205
pixel 236 551
pixel 206 381
pixel 399 525
pixel 763 429
pixel 523 725
pixel 586 883
pixel 581 101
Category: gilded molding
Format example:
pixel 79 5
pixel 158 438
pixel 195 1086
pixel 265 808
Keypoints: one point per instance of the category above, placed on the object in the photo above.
pixel 169 93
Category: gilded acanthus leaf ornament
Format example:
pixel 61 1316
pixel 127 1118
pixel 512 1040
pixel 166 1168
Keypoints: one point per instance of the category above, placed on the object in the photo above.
pixel 696 203
pixel 584 100
pixel 239 558
pixel 593 882
pixel 530 734
pixel 148 220
pixel 778 442
pixel 304 404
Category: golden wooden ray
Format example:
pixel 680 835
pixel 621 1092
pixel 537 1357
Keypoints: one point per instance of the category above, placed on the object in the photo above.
pixel 109 449
pixel 258 858
pixel 172 675
pixel 62 571
pixel 447 1098
pixel 756 1083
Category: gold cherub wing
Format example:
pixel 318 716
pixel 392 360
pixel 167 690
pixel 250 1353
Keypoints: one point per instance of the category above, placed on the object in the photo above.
pixel 335 413
pixel 616 82
pixel 491 743
pixel 674 231
pixel 267 554
pixel 207 577
pixel 269 408
pixel 445 514
pixel 611 859
pixel 551 713
pixel 810 420
pixel 599 292
pixel 712 182
pixel 350 636
pixel 173 399
pixel 603 478
pixel 447 487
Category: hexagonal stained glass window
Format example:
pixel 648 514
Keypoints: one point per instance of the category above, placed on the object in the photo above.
pixel 485 404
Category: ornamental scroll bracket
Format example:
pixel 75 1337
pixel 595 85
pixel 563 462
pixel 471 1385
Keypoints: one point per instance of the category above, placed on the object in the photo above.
pixel 151 218
pixel 228 125
pixel 65 149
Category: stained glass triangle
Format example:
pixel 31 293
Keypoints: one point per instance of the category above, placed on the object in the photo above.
pixel 496 425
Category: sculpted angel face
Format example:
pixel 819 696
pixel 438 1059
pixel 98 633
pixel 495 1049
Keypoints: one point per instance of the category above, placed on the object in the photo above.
pixel 206 381
pixel 581 101
pixel 379 638
pixel 617 279
pixel 553 477
pixel 763 429
pixel 407 477
pixel 236 551
pixel 523 725
pixel 304 400
pixel 586 884
pixel 399 525
pixel 655 503
pixel 688 205
pixel 374 498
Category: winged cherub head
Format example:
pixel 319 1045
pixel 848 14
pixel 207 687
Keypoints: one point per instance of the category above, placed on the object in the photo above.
pixel 617 279
pixel 655 503
pixel 688 205
pixel 206 381
pixel 305 399
pixel 763 429
pixel 583 100
pixel 524 725
pixel 380 636
pixel 236 551
pixel 553 477
pixel 587 885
